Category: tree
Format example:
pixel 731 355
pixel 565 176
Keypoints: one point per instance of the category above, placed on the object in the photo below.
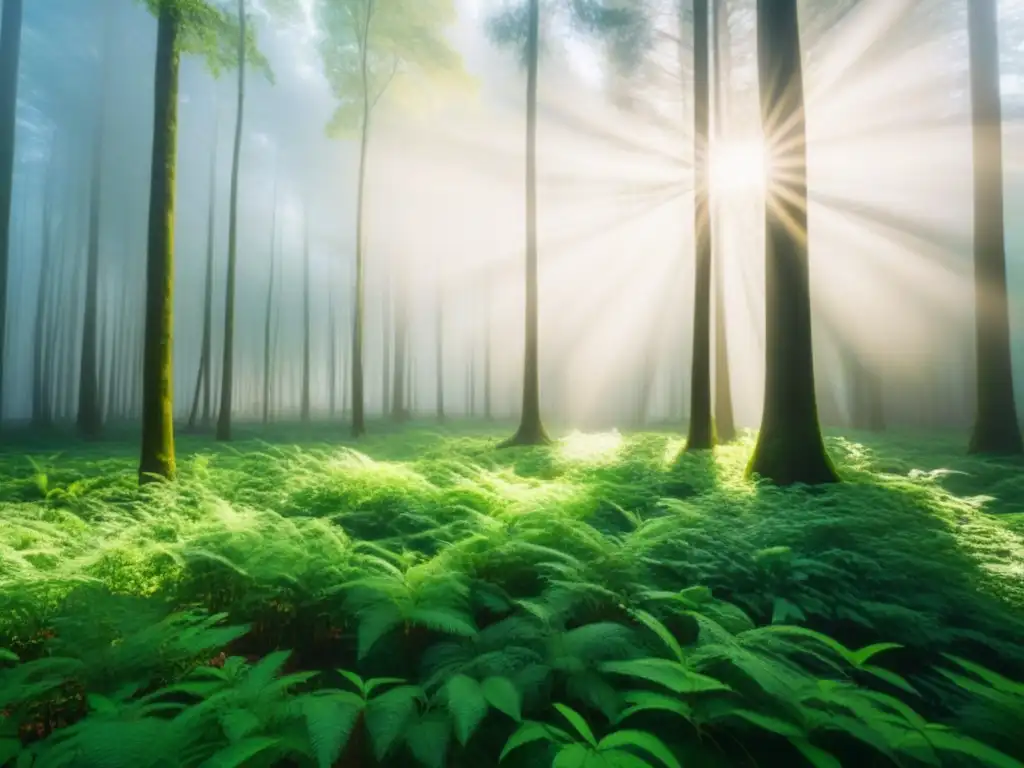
pixel 531 429
pixel 996 429
pixel 227 366
pixel 183 26
pixel 304 405
pixel 702 429
pixel 10 57
pixel 370 46
pixel 789 445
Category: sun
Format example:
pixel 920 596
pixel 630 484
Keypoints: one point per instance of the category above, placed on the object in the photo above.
pixel 738 167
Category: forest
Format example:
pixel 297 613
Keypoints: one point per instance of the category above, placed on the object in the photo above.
pixel 478 383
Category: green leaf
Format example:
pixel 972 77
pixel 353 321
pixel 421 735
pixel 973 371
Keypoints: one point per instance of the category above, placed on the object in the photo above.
pixel 428 739
pixel 645 742
pixel 861 656
pixel 577 722
pixel 356 680
pixel 816 756
pixel 388 715
pixel 467 705
pixel 648 701
pixel 239 723
pixel 994 679
pixel 669 674
pixel 9 749
pixel 783 611
pixel 766 722
pixel 7 655
pixel 529 732
pixel 330 719
pixel 890 677
pixel 502 694
pixel 571 756
pixel 661 631
pixel 238 753
pixel 947 741
pixel 449 622
pixel 373 625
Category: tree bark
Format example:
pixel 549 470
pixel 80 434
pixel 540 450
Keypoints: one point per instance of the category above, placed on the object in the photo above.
pixel 227 366
pixel 157 454
pixel 531 430
pixel 205 373
pixel 702 429
pixel 304 406
pixel 996 428
pixel 789 445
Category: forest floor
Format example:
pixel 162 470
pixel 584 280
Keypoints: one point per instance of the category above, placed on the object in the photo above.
pixel 921 546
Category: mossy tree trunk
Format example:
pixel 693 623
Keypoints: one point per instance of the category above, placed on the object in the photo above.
pixel 227 364
pixel 531 430
pixel 789 445
pixel 996 429
pixel 10 57
pixel 701 434
pixel 157 454
pixel 725 424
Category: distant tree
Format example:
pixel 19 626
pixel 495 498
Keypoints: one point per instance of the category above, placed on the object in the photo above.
pixel 306 383
pixel 10 57
pixel 183 26
pixel 370 46
pixel 268 346
pixel 996 428
pixel 789 445
pixel 227 366
pixel 205 374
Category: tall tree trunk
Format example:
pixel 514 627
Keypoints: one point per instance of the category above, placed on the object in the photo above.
pixel 304 406
pixel 40 398
pixel 702 430
pixel 203 377
pixel 789 445
pixel 332 360
pixel 227 366
pixel 996 429
pixel 385 346
pixel 157 454
pixel 358 396
pixel 399 409
pixel 10 57
pixel 268 315
pixel 531 430
pixel 440 347
pixel 488 404
pixel 725 425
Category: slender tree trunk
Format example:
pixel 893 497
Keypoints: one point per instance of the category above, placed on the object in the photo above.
pixel 332 361
pixel 10 57
pixel 531 430
pixel 304 407
pixel 725 425
pixel 996 428
pixel 789 445
pixel 399 411
pixel 268 315
pixel 440 348
pixel 40 399
pixel 488 404
pixel 385 345
pixel 702 430
pixel 89 422
pixel 157 454
pixel 227 366
pixel 204 376
pixel 358 397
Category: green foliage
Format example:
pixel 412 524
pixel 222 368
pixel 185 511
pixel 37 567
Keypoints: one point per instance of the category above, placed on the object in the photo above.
pixel 601 599
pixel 373 47
pixel 208 30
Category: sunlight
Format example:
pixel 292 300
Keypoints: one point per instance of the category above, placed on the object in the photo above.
pixel 738 166
pixel 597 448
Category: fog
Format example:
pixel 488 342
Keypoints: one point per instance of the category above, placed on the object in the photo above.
pixel 889 149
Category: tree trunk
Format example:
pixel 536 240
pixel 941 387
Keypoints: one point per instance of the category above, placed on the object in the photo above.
pixel 725 425
pixel 157 454
pixel 440 348
pixel 304 405
pixel 332 361
pixel 789 445
pixel 702 430
pixel 205 374
pixel 385 346
pixel 40 396
pixel 10 56
pixel 268 315
pixel 227 365
pixel 358 396
pixel 531 430
pixel 996 429
pixel 488 404
pixel 89 422
pixel 399 409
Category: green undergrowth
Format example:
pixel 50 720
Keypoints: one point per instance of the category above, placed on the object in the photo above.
pixel 424 599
